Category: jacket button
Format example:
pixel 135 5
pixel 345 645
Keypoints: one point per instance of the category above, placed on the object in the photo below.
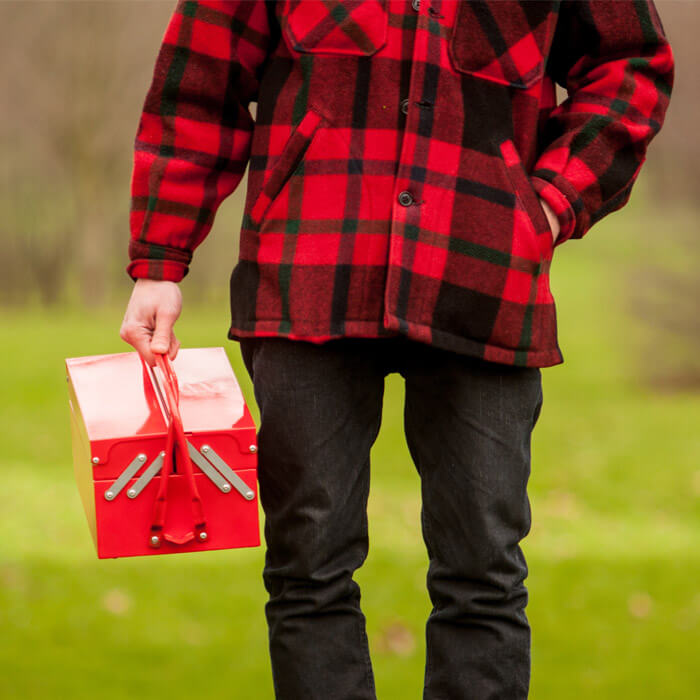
pixel 404 106
pixel 405 198
pixel 415 4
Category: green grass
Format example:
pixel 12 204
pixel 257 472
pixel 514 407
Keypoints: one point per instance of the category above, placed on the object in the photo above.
pixel 614 550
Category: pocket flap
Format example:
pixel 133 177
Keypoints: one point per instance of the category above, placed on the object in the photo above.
pixel 505 42
pixel 345 27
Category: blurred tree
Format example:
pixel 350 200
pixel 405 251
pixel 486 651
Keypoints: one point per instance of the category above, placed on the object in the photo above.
pixel 663 283
pixel 675 159
pixel 73 81
pixel 663 293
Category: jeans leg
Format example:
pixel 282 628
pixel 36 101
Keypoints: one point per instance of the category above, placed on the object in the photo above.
pixel 320 408
pixel 468 427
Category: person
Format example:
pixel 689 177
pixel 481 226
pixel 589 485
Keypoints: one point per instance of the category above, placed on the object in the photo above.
pixel 410 174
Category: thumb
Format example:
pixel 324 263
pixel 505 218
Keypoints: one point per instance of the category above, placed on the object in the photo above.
pixel 160 342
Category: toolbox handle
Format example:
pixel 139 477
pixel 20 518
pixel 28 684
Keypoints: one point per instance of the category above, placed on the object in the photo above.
pixel 175 442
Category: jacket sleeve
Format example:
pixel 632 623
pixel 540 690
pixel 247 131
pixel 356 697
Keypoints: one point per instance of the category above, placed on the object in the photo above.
pixel 193 139
pixel 615 62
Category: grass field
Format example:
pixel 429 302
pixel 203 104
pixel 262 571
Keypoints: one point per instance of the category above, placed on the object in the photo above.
pixel 614 550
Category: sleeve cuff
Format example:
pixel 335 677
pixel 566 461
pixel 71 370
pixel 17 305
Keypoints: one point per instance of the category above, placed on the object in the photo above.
pixel 565 202
pixel 156 262
pixel 156 270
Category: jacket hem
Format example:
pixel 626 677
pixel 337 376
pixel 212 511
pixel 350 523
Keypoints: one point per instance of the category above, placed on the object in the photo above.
pixel 306 330
pixel 394 326
pixel 475 348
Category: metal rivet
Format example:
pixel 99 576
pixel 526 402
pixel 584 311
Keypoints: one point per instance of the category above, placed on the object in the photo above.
pixel 205 448
pixel 253 448
pixel 162 454
pixel 142 457
pixel 203 536
pixel 405 198
pixel 415 4
pixel 155 540
pixel 249 495
pixel 404 106
pixel 109 495
pixel 131 493
pixel 226 488
pixel 95 460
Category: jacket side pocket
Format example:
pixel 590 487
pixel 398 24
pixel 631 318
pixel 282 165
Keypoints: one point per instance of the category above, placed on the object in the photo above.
pixel 525 193
pixel 285 165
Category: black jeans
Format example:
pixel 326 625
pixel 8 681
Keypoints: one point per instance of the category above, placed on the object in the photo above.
pixel 468 424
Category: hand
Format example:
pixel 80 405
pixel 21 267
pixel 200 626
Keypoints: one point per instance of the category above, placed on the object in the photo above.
pixel 551 218
pixel 154 307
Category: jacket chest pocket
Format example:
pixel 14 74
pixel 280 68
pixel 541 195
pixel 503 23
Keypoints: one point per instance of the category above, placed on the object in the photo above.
pixel 341 27
pixel 505 41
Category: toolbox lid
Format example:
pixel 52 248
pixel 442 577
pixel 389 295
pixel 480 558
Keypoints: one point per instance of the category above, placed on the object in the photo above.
pixel 116 399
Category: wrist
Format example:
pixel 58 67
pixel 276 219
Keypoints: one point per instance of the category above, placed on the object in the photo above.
pixel 552 219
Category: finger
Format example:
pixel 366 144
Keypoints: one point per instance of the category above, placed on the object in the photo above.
pixel 160 342
pixel 139 337
pixel 174 346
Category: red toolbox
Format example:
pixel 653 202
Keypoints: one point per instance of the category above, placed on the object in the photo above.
pixel 165 457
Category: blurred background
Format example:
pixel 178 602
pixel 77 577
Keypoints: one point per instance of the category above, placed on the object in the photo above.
pixel 614 550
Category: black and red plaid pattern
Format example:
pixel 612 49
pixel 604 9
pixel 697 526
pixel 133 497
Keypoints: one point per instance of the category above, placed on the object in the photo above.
pixel 397 158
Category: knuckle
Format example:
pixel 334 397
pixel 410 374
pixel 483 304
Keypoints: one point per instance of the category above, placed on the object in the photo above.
pixel 168 313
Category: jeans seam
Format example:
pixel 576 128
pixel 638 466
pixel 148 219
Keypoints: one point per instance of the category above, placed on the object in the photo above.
pixel 369 676
pixel 429 665
pixel 364 641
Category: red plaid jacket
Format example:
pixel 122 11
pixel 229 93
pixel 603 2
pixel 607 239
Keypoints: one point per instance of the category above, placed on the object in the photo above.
pixel 396 158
